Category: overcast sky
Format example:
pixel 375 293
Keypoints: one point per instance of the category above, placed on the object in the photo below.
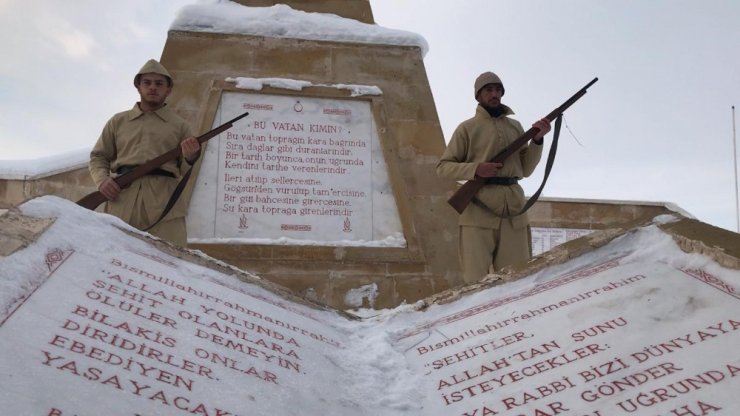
pixel 656 127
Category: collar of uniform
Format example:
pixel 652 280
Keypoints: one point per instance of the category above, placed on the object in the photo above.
pixel 480 111
pixel 163 112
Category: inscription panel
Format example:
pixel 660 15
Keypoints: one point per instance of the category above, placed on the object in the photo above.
pixel 609 340
pixel 136 334
pixel 544 239
pixel 297 168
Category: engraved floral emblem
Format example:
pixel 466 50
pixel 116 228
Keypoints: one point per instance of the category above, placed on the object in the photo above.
pixel 347 225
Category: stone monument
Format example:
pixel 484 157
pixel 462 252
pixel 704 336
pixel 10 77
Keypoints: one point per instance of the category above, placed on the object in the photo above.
pixel 329 184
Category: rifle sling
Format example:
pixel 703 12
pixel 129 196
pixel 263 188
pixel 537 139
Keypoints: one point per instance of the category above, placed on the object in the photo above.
pixel 174 197
pixel 122 170
pixel 548 168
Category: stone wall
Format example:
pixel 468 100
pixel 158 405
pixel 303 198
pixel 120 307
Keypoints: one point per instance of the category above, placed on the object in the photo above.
pixel 311 271
pixel 70 184
pixel 593 214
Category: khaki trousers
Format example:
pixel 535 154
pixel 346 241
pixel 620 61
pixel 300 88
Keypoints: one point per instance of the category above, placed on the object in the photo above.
pixel 482 247
pixel 130 206
pixel 169 229
pixel 173 230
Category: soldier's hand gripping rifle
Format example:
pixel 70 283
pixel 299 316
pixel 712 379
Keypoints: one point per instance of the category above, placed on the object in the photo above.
pixel 92 200
pixel 465 194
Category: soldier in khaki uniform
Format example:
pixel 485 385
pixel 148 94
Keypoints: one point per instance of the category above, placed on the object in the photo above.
pixel 485 238
pixel 133 137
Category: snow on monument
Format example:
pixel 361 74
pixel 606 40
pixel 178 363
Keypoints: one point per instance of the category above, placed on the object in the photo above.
pixel 121 324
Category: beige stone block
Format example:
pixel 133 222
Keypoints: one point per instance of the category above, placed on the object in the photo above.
pixel 412 289
pixel 422 142
pixel 18 231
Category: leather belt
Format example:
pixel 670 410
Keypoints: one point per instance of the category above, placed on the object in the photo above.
pixel 501 180
pixel 122 170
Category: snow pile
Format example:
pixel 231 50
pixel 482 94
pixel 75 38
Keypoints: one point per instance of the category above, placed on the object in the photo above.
pixel 257 84
pixel 281 21
pixel 23 169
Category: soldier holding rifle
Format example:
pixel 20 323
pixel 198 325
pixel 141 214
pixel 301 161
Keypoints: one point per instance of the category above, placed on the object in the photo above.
pixel 133 137
pixel 487 239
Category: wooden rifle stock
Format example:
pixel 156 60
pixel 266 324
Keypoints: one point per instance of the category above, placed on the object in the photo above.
pixel 465 194
pixel 92 200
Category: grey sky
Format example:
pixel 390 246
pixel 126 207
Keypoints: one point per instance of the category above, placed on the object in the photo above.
pixel 656 127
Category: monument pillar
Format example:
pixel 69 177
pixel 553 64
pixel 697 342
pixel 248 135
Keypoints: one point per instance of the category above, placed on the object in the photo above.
pixel 328 187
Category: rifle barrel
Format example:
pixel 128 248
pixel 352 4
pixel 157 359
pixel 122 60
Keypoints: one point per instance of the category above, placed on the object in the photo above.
pixel 93 199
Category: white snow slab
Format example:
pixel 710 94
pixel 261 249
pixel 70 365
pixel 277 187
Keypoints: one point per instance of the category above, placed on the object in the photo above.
pixel 94 321
pixel 45 166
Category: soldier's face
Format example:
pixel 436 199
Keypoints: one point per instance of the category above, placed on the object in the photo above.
pixel 153 89
pixel 490 95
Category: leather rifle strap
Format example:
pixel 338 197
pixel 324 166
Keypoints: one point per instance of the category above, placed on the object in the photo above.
pixel 173 198
pixel 548 168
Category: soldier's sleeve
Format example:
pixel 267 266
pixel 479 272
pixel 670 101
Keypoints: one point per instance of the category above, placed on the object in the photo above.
pixel 184 165
pixel 530 154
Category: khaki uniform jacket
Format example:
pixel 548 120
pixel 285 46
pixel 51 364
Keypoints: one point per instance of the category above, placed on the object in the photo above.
pixel 134 137
pixel 478 140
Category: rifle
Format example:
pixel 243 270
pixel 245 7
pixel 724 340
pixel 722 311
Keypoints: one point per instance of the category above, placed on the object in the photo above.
pixel 92 200
pixel 465 194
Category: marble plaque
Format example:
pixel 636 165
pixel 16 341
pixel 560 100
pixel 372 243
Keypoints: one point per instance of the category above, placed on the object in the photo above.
pixel 138 332
pixel 544 239
pixel 616 338
pixel 297 168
